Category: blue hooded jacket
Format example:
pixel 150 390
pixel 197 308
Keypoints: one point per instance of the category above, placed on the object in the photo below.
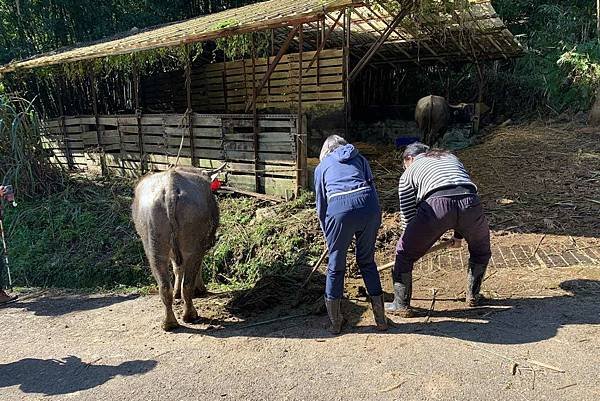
pixel 344 173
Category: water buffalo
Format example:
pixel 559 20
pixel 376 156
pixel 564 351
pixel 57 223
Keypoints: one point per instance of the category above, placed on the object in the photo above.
pixel 434 114
pixel 176 215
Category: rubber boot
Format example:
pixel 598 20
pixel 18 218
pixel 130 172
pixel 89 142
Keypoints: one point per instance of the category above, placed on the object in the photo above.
pixel 402 296
pixel 379 313
pixel 475 276
pixel 335 315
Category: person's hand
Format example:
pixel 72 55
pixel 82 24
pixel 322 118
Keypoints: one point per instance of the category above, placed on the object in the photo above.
pixel 8 196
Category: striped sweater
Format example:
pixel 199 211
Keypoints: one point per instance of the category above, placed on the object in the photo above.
pixel 425 175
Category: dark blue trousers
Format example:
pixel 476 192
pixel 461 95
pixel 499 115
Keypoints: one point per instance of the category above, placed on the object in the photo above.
pixel 361 222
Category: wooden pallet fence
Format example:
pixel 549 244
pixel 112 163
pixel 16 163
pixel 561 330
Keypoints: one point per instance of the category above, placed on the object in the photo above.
pixel 227 87
pixel 218 138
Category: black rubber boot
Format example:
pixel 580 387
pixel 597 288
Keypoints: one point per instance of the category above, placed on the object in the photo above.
pixel 379 313
pixel 475 276
pixel 402 296
pixel 334 310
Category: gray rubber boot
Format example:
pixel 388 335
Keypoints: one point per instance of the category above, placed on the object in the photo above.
pixel 475 276
pixel 379 313
pixel 334 311
pixel 402 296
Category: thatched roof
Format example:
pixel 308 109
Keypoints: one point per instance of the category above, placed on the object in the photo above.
pixel 477 33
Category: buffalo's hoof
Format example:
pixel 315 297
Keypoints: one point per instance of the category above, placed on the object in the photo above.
pixel 190 317
pixel 170 326
pixel 476 301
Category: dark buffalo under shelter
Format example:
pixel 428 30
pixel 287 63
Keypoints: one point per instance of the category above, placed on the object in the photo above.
pixel 258 87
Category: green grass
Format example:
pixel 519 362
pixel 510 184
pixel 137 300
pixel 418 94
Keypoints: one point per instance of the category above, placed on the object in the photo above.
pixel 83 238
pixel 254 242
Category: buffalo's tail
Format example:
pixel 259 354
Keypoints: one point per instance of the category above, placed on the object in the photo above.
pixel 171 197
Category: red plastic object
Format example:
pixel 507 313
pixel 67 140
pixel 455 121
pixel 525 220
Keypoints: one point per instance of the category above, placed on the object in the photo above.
pixel 215 185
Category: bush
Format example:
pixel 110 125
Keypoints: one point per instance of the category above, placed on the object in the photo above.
pixel 23 161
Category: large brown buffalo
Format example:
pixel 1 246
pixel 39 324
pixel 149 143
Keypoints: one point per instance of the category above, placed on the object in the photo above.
pixel 434 115
pixel 176 215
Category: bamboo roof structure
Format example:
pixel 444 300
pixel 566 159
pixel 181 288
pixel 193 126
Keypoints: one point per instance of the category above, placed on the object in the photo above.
pixel 467 35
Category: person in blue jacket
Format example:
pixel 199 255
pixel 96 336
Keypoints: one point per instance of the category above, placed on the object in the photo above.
pixel 348 207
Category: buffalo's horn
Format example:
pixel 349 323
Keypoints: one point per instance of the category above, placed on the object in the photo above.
pixel 214 173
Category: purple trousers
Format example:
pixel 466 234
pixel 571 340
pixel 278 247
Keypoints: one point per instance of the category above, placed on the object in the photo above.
pixel 434 217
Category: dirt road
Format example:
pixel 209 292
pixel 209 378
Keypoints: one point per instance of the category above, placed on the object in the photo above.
pixel 109 347
pixel 538 339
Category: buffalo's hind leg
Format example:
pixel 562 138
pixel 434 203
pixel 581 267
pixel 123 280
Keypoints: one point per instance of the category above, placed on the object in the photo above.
pixel 159 265
pixel 200 288
pixel 190 272
pixel 178 273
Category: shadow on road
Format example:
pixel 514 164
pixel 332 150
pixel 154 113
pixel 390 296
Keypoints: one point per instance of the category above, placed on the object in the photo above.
pixel 503 321
pixel 69 375
pixel 57 305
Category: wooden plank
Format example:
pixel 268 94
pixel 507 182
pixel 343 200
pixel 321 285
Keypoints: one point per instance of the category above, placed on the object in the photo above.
pixel 206 121
pixel 276 137
pixel 272 186
pixel 152 119
pixel 106 120
pixel 51 124
pixel 127 120
pixel 209 132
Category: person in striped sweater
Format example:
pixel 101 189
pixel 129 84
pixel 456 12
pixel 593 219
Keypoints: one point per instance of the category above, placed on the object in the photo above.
pixel 436 195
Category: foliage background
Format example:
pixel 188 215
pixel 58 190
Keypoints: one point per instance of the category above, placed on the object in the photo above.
pixel 559 72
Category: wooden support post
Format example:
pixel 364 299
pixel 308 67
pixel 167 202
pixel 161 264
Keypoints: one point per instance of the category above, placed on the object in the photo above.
pixel 318 38
pixel 99 130
pixel 224 82
pixel 300 137
pixel 138 116
pixel 345 73
pixel 377 45
pixel 347 103
pixel 257 186
pixel 272 67
pixel 61 123
pixel 188 111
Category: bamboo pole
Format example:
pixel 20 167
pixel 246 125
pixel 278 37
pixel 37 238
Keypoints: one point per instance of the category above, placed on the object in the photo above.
pixel 257 187
pixel 324 39
pixel 61 123
pixel 272 67
pixel 138 116
pixel 347 99
pixel 300 140
pixel 92 78
pixel 377 45
pixel 188 112
pixel 224 81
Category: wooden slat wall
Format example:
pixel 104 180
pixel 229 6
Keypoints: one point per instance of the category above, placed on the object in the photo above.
pixel 217 138
pixel 226 87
